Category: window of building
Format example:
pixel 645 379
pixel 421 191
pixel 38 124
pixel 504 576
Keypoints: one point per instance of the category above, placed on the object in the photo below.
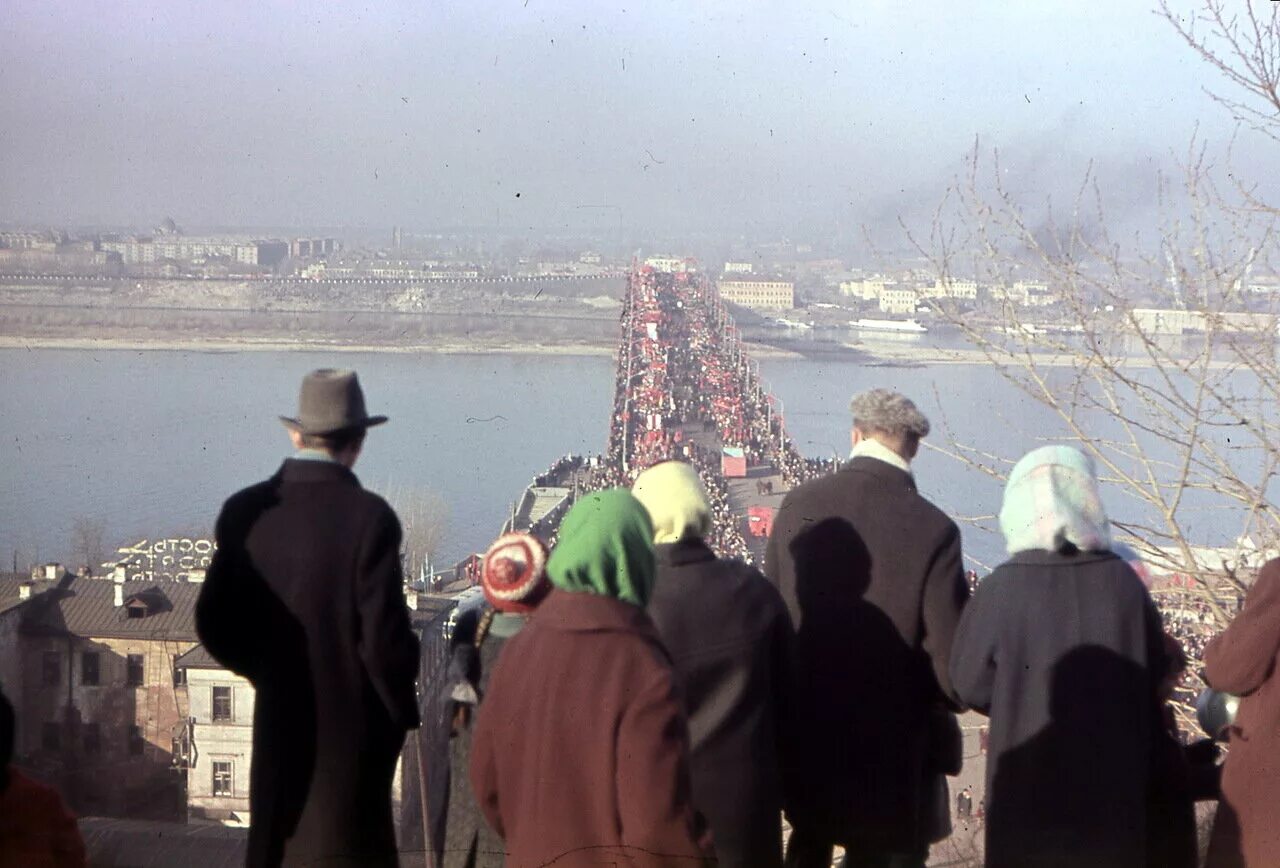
pixel 179 678
pixel 92 738
pixel 134 669
pixel 136 741
pixel 51 669
pixel 89 668
pixel 51 736
pixel 222 703
pixel 222 777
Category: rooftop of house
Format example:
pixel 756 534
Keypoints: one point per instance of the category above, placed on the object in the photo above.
pixel 87 607
pixel 197 658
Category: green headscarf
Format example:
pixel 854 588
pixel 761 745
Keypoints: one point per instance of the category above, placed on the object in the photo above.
pixel 606 548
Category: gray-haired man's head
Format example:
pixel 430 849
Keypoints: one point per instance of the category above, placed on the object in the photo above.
pixel 889 417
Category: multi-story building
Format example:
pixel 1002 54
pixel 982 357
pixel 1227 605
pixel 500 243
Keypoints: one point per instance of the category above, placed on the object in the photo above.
pixel 15 590
pixel 219 739
pixel 738 268
pixel 759 292
pixel 42 241
pixel 899 299
pixel 868 289
pixel 961 290
pixel 101 713
pixel 673 264
pixel 183 248
pixel 303 248
pixel 1176 322
pixel 1022 293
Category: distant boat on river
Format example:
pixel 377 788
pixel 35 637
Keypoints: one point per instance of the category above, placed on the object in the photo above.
pixel 899 326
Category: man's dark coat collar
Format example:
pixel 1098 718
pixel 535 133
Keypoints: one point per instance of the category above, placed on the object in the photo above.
pixel 298 470
pixel 883 470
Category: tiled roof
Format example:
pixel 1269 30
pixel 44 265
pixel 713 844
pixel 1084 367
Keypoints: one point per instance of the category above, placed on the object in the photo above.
pixel 86 607
pixel 197 658
pixel 144 844
pixel 10 585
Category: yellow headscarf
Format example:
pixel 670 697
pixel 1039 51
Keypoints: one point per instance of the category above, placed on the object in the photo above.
pixel 676 501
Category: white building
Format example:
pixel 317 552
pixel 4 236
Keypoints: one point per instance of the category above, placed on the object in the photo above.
pixel 869 289
pixel 133 251
pixel 759 293
pixel 220 739
pixel 1023 293
pixel 899 299
pixel 962 290
pixel 673 264
pixel 738 268
pixel 1176 322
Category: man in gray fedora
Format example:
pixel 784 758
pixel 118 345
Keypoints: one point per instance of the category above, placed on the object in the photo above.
pixel 304 598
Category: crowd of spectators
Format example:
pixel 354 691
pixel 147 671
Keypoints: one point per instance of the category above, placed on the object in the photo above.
pixel 685 390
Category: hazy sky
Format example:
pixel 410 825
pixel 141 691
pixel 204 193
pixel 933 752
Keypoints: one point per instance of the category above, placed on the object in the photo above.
pixel 734 115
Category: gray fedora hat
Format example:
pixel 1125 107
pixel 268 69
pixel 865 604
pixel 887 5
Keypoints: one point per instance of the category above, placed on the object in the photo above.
pixel 330 401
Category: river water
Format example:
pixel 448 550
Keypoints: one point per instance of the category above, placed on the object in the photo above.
pixel 151 442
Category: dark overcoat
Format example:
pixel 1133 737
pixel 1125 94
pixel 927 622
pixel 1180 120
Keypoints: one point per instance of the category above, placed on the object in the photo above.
pixel 872 577
pixel 304 598
pixel 728 634
pixel 1064 652
pixel 580 754
pixel 1245 661
pixel 462 838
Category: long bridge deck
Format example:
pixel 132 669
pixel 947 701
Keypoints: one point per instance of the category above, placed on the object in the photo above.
pixel 686 388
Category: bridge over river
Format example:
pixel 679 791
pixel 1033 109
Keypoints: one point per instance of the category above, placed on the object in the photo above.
pixel 686 388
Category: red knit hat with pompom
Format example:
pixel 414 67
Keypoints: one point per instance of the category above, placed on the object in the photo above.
pixel 514 573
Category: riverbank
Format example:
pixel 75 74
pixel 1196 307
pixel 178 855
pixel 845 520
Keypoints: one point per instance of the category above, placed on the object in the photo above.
pixel 274 345
pixel 877 355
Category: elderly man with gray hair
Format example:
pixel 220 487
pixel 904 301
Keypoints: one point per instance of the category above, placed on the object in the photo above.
pixel 872 576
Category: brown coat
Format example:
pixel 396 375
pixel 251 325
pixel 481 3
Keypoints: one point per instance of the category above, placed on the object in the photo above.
pixel 1243 661
pixel 580 754
pixel 872 576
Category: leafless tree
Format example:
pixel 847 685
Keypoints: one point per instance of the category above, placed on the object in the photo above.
pixel 87 547
pixel 1182 423
pixel 424 516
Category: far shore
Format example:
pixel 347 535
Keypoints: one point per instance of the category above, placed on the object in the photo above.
pixel 871 353
pixel 249 345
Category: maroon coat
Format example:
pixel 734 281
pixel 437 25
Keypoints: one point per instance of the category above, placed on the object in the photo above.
pixel 1243 660
pixel 580 754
